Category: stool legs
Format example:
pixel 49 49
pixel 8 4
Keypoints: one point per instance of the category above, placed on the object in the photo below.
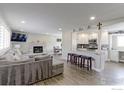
pixel 80 60
pixel 67 58
pixel 84 62
pixel 90 64
pixel 72 59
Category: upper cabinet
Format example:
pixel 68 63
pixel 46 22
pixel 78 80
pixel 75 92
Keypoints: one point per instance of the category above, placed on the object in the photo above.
pixel 82 38
pixel 93 35
pixel 104 38
pixel 74 40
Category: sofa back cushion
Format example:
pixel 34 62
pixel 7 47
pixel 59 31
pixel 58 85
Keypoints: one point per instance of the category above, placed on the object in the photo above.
pixel 42 57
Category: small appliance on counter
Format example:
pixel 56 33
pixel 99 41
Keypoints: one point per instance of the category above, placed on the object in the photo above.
pixel 93 44
pixel 104 47
pixel 85 46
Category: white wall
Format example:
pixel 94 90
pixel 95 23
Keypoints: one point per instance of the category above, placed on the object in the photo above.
pixel 3 23
pixel 105 38
pixel 48 41
pixel 66 43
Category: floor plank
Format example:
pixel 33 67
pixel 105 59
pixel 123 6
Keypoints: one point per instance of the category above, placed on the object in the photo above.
pixel 73 75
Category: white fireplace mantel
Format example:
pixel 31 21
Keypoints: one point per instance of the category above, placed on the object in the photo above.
pixel 32 44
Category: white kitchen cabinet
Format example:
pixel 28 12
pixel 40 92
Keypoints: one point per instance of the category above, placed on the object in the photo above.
pixel 104 38
pixel 74 41
pixel 114 55
pixel 82 38
pixel 93 35
pixel 121 56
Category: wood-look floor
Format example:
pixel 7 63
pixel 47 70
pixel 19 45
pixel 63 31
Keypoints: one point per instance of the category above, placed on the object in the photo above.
pixel 73 75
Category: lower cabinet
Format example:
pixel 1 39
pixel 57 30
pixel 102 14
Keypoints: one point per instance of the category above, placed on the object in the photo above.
pixel 121 56
pixel 114 55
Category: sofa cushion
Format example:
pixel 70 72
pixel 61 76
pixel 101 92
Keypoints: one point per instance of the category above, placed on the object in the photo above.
pixel 57 69
pixel 42 57
pixel 12 62
pixel 2 58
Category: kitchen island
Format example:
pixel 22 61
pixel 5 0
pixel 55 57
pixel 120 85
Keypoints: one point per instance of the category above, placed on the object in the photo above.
pixel 100 58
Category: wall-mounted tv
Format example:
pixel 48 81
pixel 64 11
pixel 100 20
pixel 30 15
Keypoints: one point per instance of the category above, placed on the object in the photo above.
pixel 18 37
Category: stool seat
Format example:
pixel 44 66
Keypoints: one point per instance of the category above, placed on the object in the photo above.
pixel 88 63
pixel 70 57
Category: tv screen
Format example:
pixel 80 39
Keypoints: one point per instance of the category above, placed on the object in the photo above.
pixel 18 37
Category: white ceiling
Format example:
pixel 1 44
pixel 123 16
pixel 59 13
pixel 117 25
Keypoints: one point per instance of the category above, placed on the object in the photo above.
pixel 47 18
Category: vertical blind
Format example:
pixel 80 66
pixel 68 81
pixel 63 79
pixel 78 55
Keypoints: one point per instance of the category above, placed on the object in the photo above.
pixel 4 38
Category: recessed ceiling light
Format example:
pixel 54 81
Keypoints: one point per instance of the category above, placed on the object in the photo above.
pixel 22 22
pixel 59 29
pixel 92 18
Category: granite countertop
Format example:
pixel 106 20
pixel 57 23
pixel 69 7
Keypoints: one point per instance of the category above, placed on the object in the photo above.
pixel 117 50
pixel 87 50
pixel 95 51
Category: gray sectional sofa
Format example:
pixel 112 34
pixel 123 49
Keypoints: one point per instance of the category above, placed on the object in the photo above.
pixel 28 71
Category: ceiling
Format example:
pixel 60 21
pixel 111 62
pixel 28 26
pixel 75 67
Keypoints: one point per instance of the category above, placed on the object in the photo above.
pixel 47 18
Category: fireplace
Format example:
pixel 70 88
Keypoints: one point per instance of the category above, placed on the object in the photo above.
pixel 38 49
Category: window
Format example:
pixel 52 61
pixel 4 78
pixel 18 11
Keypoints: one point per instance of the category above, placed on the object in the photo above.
pixel 120 41
pixel 4 38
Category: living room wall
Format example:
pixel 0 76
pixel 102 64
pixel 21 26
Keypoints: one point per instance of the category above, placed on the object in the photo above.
pixel 3 24
pixel 48 41
pixel 66 43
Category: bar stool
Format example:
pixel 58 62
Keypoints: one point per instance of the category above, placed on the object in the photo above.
pixel 69 57
pixel 76 58
pixel 82 60
pixel 85 61
pixel 73 58
pixel 79 60
pixel 89 63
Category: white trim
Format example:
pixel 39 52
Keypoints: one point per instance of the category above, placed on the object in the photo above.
pixel 98 70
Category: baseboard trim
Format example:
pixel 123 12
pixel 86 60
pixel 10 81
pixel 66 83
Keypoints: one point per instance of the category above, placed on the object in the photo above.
pixel 97 70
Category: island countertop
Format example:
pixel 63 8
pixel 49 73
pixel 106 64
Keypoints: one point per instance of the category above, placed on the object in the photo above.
pixel 87 50
pixel 100 59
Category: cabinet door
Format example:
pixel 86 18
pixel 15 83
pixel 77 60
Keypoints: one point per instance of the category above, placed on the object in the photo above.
pixel 104 38
pixel 82 38
pixel 74 41
pixel 114 56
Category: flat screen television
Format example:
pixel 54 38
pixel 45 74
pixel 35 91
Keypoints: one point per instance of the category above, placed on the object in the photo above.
pixel 18 37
